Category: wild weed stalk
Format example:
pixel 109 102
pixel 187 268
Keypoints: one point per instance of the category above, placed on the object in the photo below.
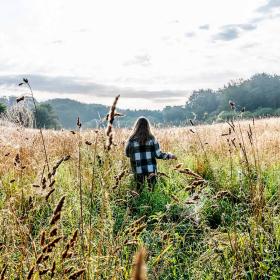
pixel 26 82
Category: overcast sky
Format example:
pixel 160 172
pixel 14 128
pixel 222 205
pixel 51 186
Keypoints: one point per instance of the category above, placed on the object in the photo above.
pixel 152 52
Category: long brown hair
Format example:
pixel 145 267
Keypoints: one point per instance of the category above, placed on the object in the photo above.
pixel 141 131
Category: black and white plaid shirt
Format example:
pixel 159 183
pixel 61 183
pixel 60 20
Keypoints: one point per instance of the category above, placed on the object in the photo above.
pixel 143 157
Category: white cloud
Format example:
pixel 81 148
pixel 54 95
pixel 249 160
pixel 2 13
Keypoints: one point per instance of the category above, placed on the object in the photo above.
pixel 109 42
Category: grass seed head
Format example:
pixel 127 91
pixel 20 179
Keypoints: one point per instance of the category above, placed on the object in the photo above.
pixel 55 218
pixel 43 238
pixel 53 232
pixel 30 273
pixel 74 238
pixel 76 274
pixel 139 266
pixel 68 269
pixel 59 206
pixel 49 194
pixel 53 268
pixel 44 271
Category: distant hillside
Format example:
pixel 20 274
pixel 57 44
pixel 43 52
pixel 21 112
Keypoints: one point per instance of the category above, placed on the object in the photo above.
pixel 258 96
pixel 68 110
pixel 92 115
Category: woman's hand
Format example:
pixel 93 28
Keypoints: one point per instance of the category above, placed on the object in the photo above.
pixel 171 156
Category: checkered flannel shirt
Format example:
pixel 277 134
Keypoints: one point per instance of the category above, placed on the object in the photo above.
pixel 143 157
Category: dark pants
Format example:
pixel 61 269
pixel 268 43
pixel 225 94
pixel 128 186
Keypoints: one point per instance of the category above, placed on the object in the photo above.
pixel 140 181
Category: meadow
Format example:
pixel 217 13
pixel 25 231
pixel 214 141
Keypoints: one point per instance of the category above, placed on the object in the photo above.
pixel 70 209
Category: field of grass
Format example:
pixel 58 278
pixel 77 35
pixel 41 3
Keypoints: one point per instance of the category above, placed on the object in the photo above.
pixel 214 213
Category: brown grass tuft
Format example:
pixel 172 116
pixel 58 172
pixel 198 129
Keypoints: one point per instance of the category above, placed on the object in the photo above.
pixel 139 266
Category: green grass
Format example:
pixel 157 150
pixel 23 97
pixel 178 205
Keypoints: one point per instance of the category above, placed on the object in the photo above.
pixel 227 233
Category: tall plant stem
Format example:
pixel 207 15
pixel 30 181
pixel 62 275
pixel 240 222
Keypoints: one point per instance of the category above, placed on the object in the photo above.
pixel 40 129
pixel 80 187
pixel 202 147
pixel 91 190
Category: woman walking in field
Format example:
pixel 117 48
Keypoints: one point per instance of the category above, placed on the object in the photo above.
pixel 143 149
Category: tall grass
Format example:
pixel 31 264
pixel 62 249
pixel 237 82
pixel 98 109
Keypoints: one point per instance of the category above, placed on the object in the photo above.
pixel 215 215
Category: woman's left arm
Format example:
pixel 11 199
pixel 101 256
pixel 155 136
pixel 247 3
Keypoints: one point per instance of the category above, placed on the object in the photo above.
pixel 127 149
pixel 161 155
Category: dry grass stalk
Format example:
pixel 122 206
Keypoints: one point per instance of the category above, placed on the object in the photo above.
pixel 118 178
pixel 175 198
pixel 42 258
pixel 70 245
pixel 138 221
pixel 17 160
pixel 49 194
pixel 135 224
pixel 44 183
pixel 79 125
pixel 49 247
pixel 225 194
pixel 116 114
pixel 59 206
pixel 55 218
pixel 53 232
pixel 43 238
pixel 127 242
pixel 74 238
pixel 53 268
pixel 88 143
pixel 44 271
pixel 76 274
pixel 26 82
pixel 80 184
pixel 139 266
pixel 30 273
pixel 178 166
pixel 158 175
pixel 68 269
pixel 20 99
pixel 45 257
pixel 54 169
pixel 231 104
pixel 65 252
pixel 3 272
pixel 51 183
pixel 187 171
pixel 109 129
pixel 138 230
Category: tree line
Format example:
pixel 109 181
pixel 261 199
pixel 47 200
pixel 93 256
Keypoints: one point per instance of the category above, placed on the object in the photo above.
pixel 258 96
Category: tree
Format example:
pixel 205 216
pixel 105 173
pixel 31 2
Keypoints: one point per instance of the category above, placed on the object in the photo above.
pixel 261 90
pixel 2 108
pixel 174 114
pixel 203 102
pixel 45 117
